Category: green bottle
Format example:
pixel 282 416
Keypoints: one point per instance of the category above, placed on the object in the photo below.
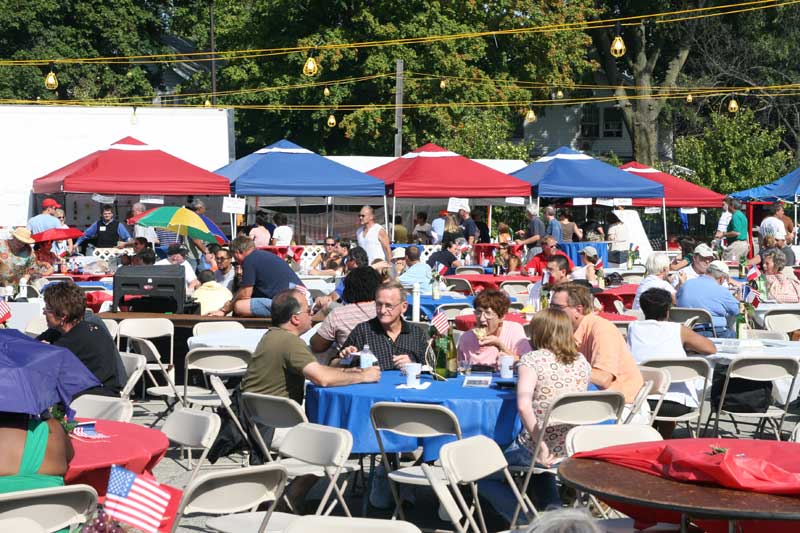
pixel 452 355
pixel 741 323
pixel 440 347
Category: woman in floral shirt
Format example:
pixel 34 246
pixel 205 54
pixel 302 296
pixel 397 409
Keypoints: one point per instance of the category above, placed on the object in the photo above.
pixel 17 261
pixel 554 368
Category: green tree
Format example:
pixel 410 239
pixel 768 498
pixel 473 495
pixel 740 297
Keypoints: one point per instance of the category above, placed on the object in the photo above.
pixel 733 152
pixel 484 136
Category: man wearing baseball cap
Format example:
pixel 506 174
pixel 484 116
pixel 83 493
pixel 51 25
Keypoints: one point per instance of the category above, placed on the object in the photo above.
pixel 710 292
pixel 46 219
pixel 702 256
pixel 437 227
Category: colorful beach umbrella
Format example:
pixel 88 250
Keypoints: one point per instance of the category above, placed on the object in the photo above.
pixel 183 222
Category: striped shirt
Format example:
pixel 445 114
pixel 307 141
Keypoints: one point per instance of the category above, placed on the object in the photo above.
pixel 412 341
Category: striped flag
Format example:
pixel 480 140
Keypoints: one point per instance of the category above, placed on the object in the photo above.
pixel 440 322
pixel 136 500
pixel 440 268
pixel 752 296
pixel 5 311
pixel 599 264
pixel 753 273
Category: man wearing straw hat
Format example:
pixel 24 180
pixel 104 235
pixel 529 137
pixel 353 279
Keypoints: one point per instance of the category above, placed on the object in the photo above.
pixel 16 258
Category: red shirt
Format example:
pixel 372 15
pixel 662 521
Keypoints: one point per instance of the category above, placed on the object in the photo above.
pixel 539 262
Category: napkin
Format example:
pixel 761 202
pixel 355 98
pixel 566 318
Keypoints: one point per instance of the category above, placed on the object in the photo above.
pixel 422 386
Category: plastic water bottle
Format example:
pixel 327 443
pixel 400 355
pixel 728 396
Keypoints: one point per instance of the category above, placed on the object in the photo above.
pixel 367 357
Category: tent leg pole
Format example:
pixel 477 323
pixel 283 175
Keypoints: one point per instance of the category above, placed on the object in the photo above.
pixel 795 220
pixel 664 215
pixel 327 219
pixel 299 220
pixel 385 213
pixel 333 215
pixel 489 220
pixel 394 215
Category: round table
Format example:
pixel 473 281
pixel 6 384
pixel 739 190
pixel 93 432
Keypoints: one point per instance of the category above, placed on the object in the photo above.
pixel 87 277
pixel 482 282
pixel 626 293
pixel 480 411
pixel 137 448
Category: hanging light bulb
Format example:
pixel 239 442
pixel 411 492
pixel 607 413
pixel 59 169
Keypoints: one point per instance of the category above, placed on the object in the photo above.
pixel 51 81
pixel 326 91
pixel 618 47
pixel 530 116
pixel 331 121
pixel 689 98
pixel 559 94
pixel 134 118
pixel 311 68
pixel 733 105
pixel 207 103
pixel 442 84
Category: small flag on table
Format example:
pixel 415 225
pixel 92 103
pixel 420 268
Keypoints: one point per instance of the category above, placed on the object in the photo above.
pixel 5 311
pixel 599 264
pixel 440 268
pixel 752 296
pixel 441 323
pixel 753 273
pixel 139 501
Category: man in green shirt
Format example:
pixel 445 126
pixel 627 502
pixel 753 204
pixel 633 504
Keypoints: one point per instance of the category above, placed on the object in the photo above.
pixel 736 233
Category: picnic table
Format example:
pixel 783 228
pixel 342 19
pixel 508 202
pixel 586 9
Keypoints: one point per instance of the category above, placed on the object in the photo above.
pixel 624 293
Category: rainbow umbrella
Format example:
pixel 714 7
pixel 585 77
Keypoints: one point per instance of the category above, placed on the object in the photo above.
pixel 183 222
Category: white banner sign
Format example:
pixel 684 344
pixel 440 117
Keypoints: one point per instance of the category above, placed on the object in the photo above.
pixel 454 204
pixel 652 210
pixel 515 200
pixel 623 201
pixel 689 210
pixel 605 201
pixel 581 201
pixel 233 205
pixel 102 199
pixel 157 200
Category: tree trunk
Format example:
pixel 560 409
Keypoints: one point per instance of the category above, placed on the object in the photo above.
pixel 645 136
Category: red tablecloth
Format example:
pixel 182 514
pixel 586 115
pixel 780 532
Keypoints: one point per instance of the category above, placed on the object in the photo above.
pixel 467 322
pixel 86 277
pixel 482 282
pixel 624 293
pixel 486 250
pixel 95 299
pixel 137 448
pixel 283 251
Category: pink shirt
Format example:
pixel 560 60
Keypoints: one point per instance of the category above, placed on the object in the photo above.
pixel 260 236
pixel 512 335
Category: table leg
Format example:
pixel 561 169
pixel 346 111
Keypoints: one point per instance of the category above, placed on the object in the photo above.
pixel 684 523
pixel 732 526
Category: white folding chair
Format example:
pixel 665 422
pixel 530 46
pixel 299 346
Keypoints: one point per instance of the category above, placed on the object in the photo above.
pixel 36 326
pixel 135 365
pixel 638 401
pixel 340 524
pixel 234 491
pixel 691 316
pixel 459 285
pixel 759 369
pixel 191 428
pixel 103 407
pixel 574 409
pixel 684 373
pixel 21 524
pixel 784 321
pixel 217 361
pixel 219 388
pixel 516 289
pixel 471 269
pixel 451 311
pixel 148 328
pixel 271 413
pixel 410 420
pixel 660 381
pixel 204 328
pixel 53 508
pixel 113 328
pixel 465 462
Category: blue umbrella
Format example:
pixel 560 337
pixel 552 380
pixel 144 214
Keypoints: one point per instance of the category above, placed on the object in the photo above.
pixel 34 375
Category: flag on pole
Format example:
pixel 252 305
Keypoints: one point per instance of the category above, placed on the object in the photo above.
pixel 440 268
pixel 599 264
pixel 753 273
pixel 441 323
pixel 137 501
pixel 5 311
pixel 752 296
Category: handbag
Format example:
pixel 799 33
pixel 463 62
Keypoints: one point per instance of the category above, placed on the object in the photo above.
pixel 742 396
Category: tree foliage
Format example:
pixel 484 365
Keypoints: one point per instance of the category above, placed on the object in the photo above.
pixel 733 152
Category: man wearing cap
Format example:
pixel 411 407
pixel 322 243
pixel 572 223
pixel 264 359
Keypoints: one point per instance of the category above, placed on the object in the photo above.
pixel 535 231
pixel 437 227
pixel 398 261
pixel 17 261
pixel 46 219
pixel 176 255
pixel 736 232
pixel 106 232
pixel 549 248
pixel 701 258
pixel 709 292
pixel 471 232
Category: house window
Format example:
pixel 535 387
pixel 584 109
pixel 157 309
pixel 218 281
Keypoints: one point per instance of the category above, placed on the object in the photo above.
pixel 612 122
pixel 590 121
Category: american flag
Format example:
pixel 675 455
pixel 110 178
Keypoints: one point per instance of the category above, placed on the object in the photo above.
pixel 5 311
pixel 599 264
pixel 440 268
pixel 88 432
pixel 441 323
pixel 135 500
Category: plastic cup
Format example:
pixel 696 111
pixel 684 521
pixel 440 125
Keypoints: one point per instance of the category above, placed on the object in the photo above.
pixel 507 366
pixel 413 371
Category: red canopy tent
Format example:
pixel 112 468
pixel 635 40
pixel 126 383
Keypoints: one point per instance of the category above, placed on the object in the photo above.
pixel 677 192
pixel 130 166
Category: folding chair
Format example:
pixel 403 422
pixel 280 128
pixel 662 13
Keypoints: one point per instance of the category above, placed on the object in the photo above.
pixel 148 328
pixel 471 269
pixel 135 365
pixel 218 361
pixel 234 491
pixel 684 373
pixel 410 420
pixel 103 407
pixel 660 381
pixel 204 328
pixel 638 401
pixel 759 369
pixel 451 311
pixel 53 508
pixel 219 388
pixel 691 316
pixel 272 413
pixel 575 409
pixel 784 321
pixel 459 285
pixel 516 289
pixel 190 428
pixel 340 524
pixel 36 326
pixel 113 328
pixel 461 468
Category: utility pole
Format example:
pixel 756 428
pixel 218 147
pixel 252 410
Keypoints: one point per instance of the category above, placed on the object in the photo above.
pixel 213 56
pixel 398 110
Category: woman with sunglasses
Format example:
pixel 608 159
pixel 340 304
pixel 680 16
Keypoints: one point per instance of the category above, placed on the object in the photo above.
pixel 321 265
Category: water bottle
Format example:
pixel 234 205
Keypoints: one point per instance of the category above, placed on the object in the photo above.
pixel 367 357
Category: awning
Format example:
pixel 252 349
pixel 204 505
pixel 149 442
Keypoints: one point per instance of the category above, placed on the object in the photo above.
pixel 677 192
pixel 785 188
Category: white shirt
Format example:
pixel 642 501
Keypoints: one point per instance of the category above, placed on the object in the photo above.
pixel 690 272
pixel 370 242
pixel 618 235
pixel 226 280
pixel 146 232
pixel 653 282
pixel 772 226
pixel 283 236
pixel 724 220
pixel 579 272
pixel 190 275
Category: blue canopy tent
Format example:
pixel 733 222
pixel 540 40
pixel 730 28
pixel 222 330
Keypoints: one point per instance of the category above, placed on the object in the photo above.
pixel 287 170
pixel 786 188
pixel 567 173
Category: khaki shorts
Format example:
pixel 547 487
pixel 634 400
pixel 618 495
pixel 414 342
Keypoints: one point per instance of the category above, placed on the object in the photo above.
pixel 736 250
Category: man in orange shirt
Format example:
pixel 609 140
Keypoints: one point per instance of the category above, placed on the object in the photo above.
pixel 549 249
pixel 599 340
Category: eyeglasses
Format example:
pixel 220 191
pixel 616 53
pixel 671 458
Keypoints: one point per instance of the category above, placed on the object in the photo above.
pixel 221 258
pixel 388 307
pixel 552 246
pixel 304 312
pixel 330 244
pixel 488 313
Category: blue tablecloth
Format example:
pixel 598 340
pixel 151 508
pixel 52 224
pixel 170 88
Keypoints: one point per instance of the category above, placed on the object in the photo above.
pixel 108 285
pixel 573 250
pixel 398 245
pixel 427 305
pixel 480 411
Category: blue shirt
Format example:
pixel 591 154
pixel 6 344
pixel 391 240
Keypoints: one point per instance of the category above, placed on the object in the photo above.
pixel 437 230
pixel 470 229
pixel 418 273
pixel 43 222
pixel 705 293
pixel 554 230
pixel 267 273
pixel 91 233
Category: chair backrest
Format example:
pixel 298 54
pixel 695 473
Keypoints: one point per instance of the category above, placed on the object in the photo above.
pixel 135 365
pixel 192 428
pixel 633 277
pixel 21 524
pixel 459 285
pixel 764 334
pixel 148 328
pixel 444 496
pixel 783 321
pixel 639 399
pixel 112 326
pixel 317 444
pixel 516 288
pixel 474 269
pixel 220 389
pixel 580 408
pixel 659 379
pixel 233 490
pixel 343 524
pixel 103 407
pixel 619 305
pixel 459 459
pixel 53 508
pixel 36 326
pixel 588 438
pixel 414 419
pixel 684 314
pixel 681 369
pixel 218 359
pixel 763 368
pixel 451 311
pixel 273 411
pixel 203 328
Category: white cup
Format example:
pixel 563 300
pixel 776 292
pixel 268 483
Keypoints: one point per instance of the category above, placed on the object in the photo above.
pixel 507 366
pixel 413 370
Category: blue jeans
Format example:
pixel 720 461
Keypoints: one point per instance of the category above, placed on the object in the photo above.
pixel 261 307
pixel 722 332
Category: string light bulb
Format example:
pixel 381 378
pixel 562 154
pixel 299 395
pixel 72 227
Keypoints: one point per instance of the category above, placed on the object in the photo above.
pixel 733 105
pixel 207 103
pixel 311 68
pixel 689 98
pixel 331 121
pixel 530 116
pixel 134 118
pixel 559 94
pixel 51 81
pixel 618 47
pixel 442 84
pixel 326 91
